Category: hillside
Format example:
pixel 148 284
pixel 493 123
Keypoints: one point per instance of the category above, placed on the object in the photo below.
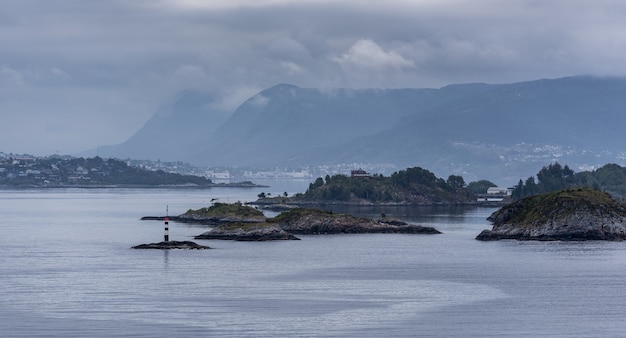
pixel 284 124
pixel 508 131
pixel 176 129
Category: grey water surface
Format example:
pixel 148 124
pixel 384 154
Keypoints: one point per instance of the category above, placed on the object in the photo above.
pixel 67 270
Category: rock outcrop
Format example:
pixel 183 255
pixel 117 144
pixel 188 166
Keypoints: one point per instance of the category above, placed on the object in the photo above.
pixel 568 215
pixel 243 223
pixel 172 245
pixel 247 232
pixel 218 213
pixel 304 221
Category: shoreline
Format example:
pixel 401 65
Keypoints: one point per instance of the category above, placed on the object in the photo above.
pixel 300 204
pixel 133 186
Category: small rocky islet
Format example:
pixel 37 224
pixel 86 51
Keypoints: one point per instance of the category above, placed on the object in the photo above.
pixel 577 214
pixel 217 214
pixel 304 221
pixel 248 232
pixel 168 245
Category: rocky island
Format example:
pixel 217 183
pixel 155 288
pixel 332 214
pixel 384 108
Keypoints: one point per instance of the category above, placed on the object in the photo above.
pixel 412 186
pixel 216 214
pixel 244 223
pixel 304 221
pixel 577 214
pixel 238 231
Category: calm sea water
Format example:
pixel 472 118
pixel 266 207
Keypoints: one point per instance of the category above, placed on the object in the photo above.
pixel 67 270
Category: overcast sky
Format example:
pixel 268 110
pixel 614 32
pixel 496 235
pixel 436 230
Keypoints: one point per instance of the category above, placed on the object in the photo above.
pixel 76 74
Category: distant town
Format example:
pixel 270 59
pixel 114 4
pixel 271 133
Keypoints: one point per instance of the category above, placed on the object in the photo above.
pixel 68 170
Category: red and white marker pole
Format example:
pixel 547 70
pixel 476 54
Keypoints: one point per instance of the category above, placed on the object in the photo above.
pixel 166 237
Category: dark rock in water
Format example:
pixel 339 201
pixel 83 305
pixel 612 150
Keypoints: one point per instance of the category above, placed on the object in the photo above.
pixel 569 215
pixel 314 222
pixel 248 232
pixel 172 245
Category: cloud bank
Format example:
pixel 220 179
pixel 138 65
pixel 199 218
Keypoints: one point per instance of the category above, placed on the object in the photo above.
pixel 78 74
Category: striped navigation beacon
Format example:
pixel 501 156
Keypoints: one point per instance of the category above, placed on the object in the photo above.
pixel 166 236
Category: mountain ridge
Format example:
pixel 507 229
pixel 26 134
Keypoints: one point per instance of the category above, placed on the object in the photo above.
pixel 498 131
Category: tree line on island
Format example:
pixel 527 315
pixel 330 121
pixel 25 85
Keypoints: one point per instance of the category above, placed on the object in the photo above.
pixel 409 186
pixel 421 187
pixel 610 178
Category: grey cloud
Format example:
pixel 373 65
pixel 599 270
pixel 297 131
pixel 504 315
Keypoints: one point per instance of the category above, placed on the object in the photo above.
pixel 116 61
pixel 288 49
pixel 366 55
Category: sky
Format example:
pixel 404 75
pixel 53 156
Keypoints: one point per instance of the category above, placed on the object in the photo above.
pixel 77 74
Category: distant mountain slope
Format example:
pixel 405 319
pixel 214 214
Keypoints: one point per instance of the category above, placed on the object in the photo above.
pixel 507 130
pixel 286 122
pixel 177 128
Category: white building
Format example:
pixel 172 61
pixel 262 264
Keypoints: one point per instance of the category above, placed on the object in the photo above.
pixel 217 175
pixel 499 191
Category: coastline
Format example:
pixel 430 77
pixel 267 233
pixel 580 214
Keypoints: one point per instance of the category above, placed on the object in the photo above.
pixel 133 186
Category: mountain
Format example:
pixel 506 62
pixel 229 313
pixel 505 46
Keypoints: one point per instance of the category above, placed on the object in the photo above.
pixel 500 132
pixel 510 130
pixel 284 123
pixel 176 128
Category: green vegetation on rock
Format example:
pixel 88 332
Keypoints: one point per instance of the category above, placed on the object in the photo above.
pixel 224 209
pixel 537 208
pixel 576 214
pixel 242 225
pixel 610 178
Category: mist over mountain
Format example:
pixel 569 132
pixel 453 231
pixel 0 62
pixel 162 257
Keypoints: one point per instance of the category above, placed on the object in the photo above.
pixel 500 132
pixel 176 129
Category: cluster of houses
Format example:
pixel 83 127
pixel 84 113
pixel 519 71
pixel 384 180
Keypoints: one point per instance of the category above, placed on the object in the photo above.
pixel 28 169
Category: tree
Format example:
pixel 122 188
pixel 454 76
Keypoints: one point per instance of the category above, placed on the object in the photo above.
pixel 480 187
pixel 554 177
pixel 518 192
pixel 530 187
pixel 319 182
pixel 456 181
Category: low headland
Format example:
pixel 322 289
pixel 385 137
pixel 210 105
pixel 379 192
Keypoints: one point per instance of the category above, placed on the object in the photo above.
pixel 94 173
